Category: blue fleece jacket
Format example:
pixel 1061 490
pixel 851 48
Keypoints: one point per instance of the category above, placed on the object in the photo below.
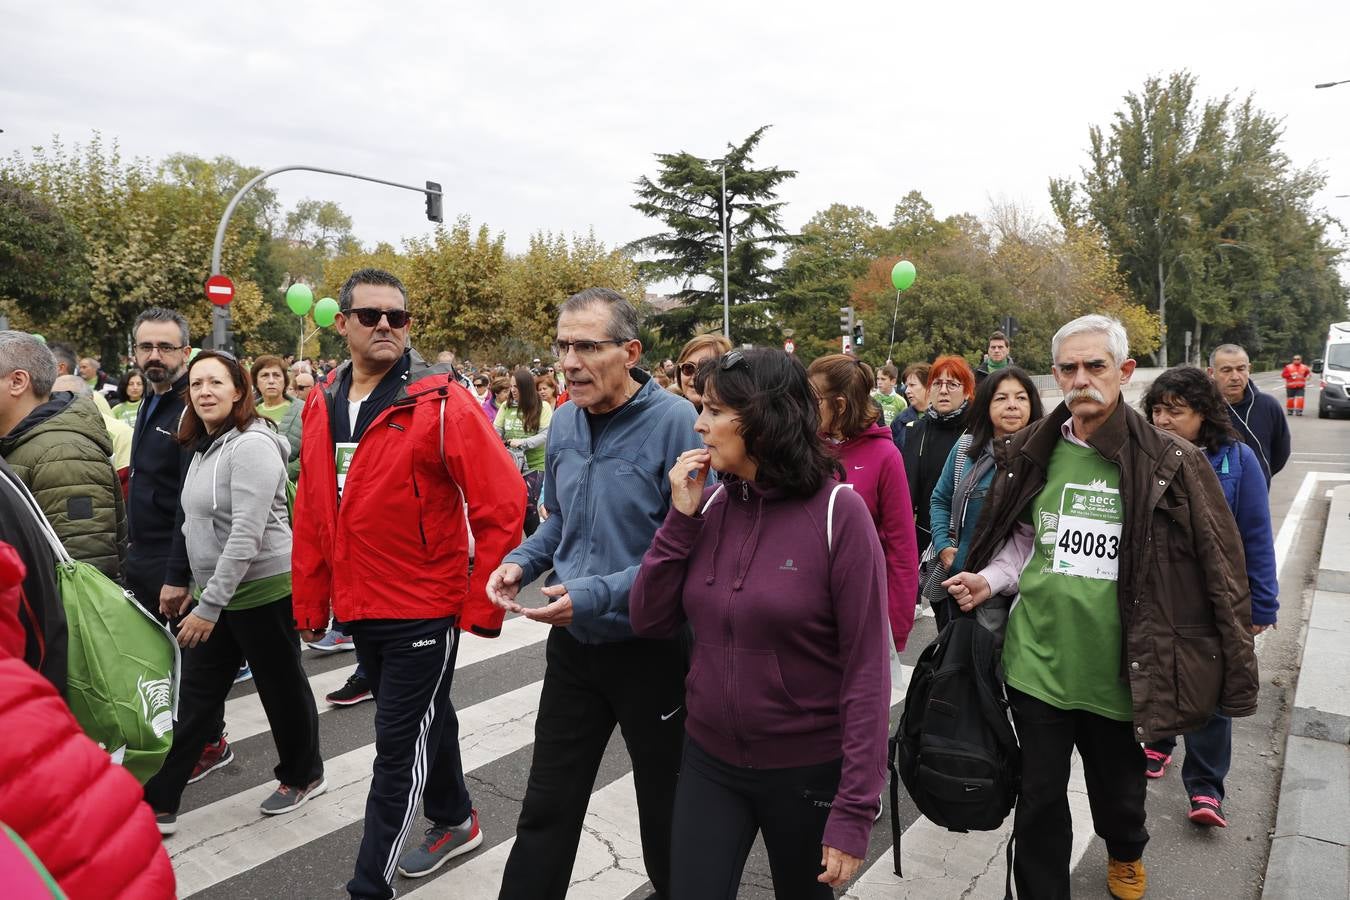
pixel 605 500
pixel 1244 487
pixel 1261 423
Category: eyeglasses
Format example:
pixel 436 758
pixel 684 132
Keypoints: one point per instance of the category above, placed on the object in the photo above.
pixel 582 348
pixel 945 387
pixel 369 316
pixel 163 348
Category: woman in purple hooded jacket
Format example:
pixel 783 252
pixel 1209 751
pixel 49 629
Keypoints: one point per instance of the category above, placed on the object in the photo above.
pixel 779 572
pixel 873 467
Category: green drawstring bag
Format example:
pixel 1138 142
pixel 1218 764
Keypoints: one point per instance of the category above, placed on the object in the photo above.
pixel 122 665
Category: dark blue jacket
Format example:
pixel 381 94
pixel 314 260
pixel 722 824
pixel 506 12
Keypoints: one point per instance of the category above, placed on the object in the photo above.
pixel 1245 489
pixel 1260 421
pixel 158 466
pixel 898 433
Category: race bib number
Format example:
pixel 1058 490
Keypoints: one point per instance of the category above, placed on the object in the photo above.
pixel 343 462
pixel 1088 541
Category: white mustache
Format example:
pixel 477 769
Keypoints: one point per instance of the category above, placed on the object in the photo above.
pixel 1077 394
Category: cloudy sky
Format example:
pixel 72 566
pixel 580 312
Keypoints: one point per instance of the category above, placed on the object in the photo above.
pixel 540 115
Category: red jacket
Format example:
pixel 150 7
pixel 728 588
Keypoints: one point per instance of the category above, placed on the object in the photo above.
pixel 80 814
pixel 1295 376
pixel 398 548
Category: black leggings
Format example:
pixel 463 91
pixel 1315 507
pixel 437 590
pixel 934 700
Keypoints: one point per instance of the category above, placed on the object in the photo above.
pixel 718 810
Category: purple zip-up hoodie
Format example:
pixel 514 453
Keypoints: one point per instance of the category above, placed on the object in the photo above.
pixel 790 636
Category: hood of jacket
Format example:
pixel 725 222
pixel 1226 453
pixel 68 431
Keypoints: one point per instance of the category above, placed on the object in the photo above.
pixel 63 412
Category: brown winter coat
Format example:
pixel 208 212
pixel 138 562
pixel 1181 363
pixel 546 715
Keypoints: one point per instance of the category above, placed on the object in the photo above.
pixel 1184 602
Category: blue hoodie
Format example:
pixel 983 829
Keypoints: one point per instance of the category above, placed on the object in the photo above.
pixel 1244 488
pixel 1260 422
pixel 605 501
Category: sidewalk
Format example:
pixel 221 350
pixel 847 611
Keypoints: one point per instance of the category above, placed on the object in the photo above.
pixel 1310 849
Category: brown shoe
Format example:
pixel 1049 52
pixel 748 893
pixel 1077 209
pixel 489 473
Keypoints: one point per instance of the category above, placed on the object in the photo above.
pixel 1126 880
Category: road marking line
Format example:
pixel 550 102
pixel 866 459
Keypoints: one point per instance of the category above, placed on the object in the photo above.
pixel 1293 519
pixel 229 837
pixel 245 716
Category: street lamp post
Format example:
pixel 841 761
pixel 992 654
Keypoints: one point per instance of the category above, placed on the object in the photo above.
pixel 220 315
pixel 726 254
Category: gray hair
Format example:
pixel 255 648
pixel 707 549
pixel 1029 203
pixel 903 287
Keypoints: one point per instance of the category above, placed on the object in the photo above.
pixel 64 355
pixel 1117 343
pixel 1226 348
pixel 20 350
pixel 623 318
pixel 160 314
pixel 368 276
pixel 73 383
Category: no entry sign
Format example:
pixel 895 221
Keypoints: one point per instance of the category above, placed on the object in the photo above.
pixel 219 290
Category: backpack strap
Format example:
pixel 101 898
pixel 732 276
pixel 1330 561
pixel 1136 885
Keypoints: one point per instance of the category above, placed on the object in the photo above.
pixel 829 516
pixel 53 540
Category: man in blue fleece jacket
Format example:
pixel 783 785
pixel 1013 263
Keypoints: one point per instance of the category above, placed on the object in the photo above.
pixel 606 492
pixel 1257 417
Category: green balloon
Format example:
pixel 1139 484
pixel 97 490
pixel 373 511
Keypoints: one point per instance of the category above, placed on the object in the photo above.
pixel 299 298
pixel 902 276
pixel 325 311
pixel 40 338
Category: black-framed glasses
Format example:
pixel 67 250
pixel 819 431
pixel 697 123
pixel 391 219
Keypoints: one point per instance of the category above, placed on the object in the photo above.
pixel 369 316
pixel 731 359
pixel 163 347
pixel 582 348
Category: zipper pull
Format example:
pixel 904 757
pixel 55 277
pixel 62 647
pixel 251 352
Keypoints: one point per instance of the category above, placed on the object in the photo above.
pixel 745 491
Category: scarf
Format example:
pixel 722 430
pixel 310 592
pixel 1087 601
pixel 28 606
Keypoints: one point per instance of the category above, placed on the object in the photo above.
pixel 932 413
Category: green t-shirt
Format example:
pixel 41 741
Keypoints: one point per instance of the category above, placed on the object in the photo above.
pixel 275 413
pixel 510 426
pixel 127 410
pixel 1063 640
pixel 259 592
pixel 892 403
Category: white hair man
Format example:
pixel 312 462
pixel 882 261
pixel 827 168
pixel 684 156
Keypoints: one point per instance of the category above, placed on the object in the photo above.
pixel 1119 543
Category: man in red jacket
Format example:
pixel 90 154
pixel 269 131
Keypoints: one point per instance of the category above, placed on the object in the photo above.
pixel 393 450
pixel 1295 377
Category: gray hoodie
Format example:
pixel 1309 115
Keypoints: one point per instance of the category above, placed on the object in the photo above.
pixel 235 518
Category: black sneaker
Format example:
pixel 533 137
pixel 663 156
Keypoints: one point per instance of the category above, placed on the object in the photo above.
pixel 356 690
pixel 1207 811
pixel 167 822
pixel 1155 762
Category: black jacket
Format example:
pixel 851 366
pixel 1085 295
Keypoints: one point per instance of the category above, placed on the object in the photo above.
pixel 1261 422
pixel 158 465
pixel 926 447
pixel 40 609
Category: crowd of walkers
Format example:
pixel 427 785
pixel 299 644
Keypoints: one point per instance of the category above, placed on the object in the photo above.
pixel 730 546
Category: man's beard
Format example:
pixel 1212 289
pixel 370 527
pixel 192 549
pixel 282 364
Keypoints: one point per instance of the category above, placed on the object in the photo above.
pixel 158 374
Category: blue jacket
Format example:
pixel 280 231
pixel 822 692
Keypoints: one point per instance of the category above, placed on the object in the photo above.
pixel 605 501
pixel 1244 487
pixel 898 432
pixel 1260 421
pixel 940 510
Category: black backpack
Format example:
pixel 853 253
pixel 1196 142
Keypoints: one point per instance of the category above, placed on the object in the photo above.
pixel 955 749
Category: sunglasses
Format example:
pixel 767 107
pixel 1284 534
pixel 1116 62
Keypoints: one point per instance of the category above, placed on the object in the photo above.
pixel 731 360
pixel 370 317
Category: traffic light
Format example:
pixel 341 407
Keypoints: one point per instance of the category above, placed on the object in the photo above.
pixel 846 320
pixel 858 334
pixel 435 211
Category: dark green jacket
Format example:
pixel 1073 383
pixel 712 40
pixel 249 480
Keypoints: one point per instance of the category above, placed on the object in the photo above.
pixel 290 428
pixel 62 451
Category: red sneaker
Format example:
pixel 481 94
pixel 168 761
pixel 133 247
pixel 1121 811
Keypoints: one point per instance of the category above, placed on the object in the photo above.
pixel 214 756
pixel 1155 763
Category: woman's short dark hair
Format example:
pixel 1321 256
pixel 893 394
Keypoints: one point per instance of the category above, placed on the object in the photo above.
pixel 981 426
pixel 780 422
pixel 268 361
pixel 852 379
pixel 530 404
pixel 125 380
pixel 245 411
pixel 1197 390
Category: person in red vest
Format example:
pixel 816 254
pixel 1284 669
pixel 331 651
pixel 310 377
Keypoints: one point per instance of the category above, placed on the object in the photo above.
pixel 1295 377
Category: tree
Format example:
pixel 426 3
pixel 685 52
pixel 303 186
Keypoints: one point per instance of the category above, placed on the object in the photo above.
pixel 1206 214
pixel 42 262
pixel 686 196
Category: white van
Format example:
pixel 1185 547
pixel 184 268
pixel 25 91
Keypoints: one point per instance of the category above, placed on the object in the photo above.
pixel 1334 367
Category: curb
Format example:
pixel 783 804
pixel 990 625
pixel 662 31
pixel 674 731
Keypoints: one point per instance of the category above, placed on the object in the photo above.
pixel 1310 849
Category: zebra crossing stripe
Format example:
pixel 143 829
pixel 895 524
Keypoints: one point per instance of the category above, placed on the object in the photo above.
pixel 223 839
pixel 245 717
pixel 608 864
pixel 935 858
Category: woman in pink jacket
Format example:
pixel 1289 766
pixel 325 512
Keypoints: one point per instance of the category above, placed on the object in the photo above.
pixel 874 468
